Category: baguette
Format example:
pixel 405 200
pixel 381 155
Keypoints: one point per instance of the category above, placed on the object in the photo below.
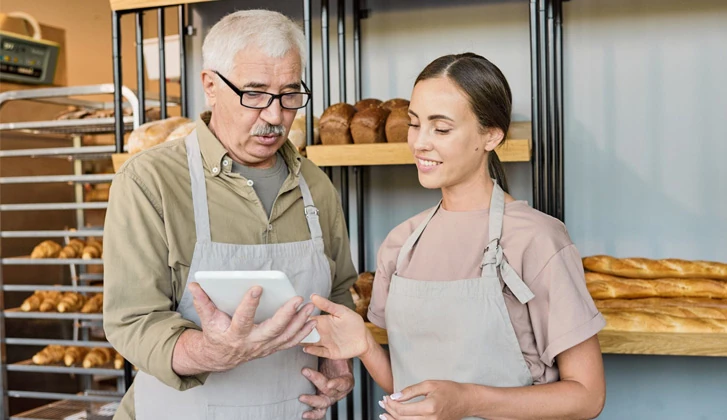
pixel 604 286
pixel 689 302
pixel 634 321
pixel 678 311
pixel 642 268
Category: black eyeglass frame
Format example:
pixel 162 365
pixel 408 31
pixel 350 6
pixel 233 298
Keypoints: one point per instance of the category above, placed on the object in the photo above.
pixel 273 96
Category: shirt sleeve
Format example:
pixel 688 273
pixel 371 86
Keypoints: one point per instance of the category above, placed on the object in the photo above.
pixel 139 316
pixel 562 313
pixel 385 268
pixel 345 274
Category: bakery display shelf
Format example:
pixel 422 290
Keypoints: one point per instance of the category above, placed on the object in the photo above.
pixel 54 206
pixel 95 396
pixel 16 313
pixel 47 342
pixel 69 410
pixel 627 342
pixel 69 127
pixel 26 260
pixel 33 288
pixel 86 179
pixel 78 153
pixel 82 233
pixel 28 366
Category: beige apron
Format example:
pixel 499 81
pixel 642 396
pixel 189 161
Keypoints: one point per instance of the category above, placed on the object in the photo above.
pixel 457 330
pixel 265 388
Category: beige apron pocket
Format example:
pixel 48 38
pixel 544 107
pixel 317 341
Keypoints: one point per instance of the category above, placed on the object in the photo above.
pixel 286 410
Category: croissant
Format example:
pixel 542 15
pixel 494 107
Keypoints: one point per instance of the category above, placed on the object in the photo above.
pixel 46 249
pixel 93 249
pixel 74 355
pixel 93 305
pixel 32 303
pixel 73 249
pixel 49 355
pixel 118 361
pixel 71 302
pixel 98 356
pixel 50 301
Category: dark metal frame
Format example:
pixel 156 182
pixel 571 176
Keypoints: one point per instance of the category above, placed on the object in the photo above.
pixel 546 46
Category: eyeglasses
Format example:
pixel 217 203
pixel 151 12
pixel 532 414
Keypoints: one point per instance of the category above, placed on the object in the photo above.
pixel 261 100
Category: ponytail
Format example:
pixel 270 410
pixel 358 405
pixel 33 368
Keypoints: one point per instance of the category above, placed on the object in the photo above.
pixel 497 171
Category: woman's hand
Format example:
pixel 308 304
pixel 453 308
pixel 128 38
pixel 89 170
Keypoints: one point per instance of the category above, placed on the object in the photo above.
pixel 443 400
pixel 343 332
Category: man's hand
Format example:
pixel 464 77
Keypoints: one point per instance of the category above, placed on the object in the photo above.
pixel 334 381
pixel 228 342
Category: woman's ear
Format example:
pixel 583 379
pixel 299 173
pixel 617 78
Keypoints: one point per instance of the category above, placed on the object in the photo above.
pixel 209 86
pixel 493 138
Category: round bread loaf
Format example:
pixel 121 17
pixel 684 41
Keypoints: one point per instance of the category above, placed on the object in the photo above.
pixel 335 124
pixel 367 103
pixel 394 103
pixel 182 131
pixel 153 133
pixel 368 126
pixel 397 125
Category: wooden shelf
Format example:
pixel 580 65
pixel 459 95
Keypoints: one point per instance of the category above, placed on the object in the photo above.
pixel 517 148
pixel 620 342
pixel 139 4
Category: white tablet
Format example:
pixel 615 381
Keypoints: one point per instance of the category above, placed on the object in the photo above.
pixel 227 288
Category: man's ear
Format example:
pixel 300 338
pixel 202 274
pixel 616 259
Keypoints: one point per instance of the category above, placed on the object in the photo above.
pixel 210 87
pixel 493 138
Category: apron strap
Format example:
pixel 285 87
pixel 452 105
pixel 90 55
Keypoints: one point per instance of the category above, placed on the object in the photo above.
pixel 494 256
pixel 311 211
pixel 199 189
pixel 414 237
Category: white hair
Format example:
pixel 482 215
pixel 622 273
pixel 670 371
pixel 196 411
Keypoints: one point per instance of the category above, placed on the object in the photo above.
pixel 270 31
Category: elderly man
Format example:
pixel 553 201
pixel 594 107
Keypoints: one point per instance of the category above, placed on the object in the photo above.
pixel 233 195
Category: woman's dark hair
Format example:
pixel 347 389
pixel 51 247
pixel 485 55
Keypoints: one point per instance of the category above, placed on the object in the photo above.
pixel 488 92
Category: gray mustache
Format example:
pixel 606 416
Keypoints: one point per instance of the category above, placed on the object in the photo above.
pixel 268 130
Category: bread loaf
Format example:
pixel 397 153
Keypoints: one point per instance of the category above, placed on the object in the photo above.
pixel 46 249
pixel 688 302
pixel 335 125
pixel 397 125
pixel 642 268
pixel 152 133
pixel 367 103
pixel 49 355
pixel 368 126
pixel 297 132
pixel 604 286
pixel 391 104
pixel 181 131
pixel 617 320
pixel 361 292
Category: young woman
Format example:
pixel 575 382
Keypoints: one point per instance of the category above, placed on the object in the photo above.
pixel 482 296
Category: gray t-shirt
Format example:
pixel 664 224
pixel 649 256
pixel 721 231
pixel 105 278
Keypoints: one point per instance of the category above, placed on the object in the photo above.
pixel 266 182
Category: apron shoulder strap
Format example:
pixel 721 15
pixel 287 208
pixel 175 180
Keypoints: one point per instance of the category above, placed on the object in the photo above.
pixel 414 237
pixel 311 211
pixel 199 189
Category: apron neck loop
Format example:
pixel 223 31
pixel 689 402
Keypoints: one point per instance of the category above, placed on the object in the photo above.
pixel 199 189
pixel 311 211
pixel 493 252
